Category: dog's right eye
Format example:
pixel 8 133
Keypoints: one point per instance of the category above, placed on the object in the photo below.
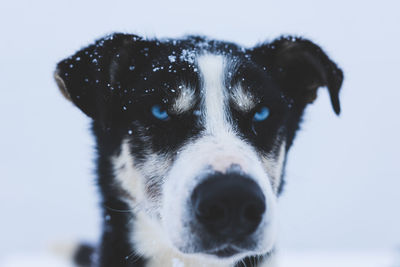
pixel 159 112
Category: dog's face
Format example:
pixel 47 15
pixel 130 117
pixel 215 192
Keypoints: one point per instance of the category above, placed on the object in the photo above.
pixel 196 133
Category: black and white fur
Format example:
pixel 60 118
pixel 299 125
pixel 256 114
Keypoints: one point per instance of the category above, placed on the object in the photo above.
pixel 148 168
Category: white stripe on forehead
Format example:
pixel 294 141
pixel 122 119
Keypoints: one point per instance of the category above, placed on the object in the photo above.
pixel 212 69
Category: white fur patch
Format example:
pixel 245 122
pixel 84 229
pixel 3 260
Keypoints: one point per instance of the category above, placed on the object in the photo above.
pixel 243 100
pixel 129 178
pixel 184 101
pixel 274 166
pixel 212 68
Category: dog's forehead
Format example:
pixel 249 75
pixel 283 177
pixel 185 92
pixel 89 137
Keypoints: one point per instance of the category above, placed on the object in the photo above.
pixel 168 73
pixel 174 71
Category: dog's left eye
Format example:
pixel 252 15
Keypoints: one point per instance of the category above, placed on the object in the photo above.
pixel 159 112
pixel 262 113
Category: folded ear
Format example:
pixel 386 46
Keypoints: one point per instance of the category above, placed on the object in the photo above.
pixel 87 78
pixel 300 67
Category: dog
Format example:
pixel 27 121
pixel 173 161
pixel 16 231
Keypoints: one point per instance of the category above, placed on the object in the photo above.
pixel 192 137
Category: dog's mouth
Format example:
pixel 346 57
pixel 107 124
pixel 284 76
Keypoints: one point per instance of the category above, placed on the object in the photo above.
pixel 225 251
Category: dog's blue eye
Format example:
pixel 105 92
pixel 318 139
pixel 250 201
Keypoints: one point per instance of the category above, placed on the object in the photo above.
pixel 159 112
pixel 261 114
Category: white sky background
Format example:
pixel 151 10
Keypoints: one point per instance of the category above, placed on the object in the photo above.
pixel 343 175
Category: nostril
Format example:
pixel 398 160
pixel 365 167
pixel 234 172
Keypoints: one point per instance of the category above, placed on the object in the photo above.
pixel 253 212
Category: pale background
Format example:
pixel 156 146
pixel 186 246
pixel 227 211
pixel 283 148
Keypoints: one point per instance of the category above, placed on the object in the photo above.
pixel 343 176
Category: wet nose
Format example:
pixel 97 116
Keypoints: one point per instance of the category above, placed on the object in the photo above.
pixel 228 206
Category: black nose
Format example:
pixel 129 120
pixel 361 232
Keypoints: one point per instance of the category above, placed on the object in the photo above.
pixel 229 206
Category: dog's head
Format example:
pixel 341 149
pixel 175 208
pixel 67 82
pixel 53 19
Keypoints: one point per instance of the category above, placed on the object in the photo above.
pixel 193 133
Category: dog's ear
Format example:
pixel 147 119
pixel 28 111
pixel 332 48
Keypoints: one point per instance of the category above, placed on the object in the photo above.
pixel 300 67
pixel 87 78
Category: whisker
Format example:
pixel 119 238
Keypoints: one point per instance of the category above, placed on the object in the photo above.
pixel 133 253
pixel 118 210
pixel 243 262
pixel 137 207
